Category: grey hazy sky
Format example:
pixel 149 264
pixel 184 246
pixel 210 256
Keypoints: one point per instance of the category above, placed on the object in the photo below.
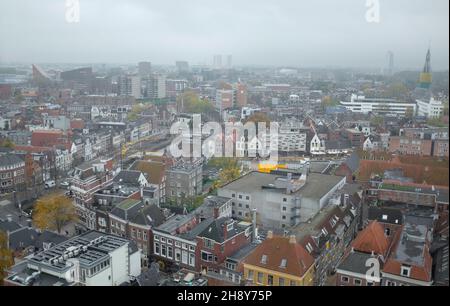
pixel 263 32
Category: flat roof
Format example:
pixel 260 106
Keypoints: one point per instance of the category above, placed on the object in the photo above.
pixel 316 186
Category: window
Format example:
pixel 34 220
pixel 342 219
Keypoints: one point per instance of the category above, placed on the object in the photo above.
pixel 283 263
pixel 208 243
pixel 163 250
pixel 250 275
pixel 177 255
pixel 406 271
pixel 260 277
pixel 169 252
pixel 192 248
pixel 357 282
pixel 344 279
pixel 309 247
pixel 145 235
pixel 156 248
pixel 270 280
pixel 233 195
pixel 284 200
pixel 247 198
pixel 292 283
pixel 264 259
pixel 163 239
pixel 284 208
pixel 280 281
pixel 283 217
pixel 156 238
pixel 192 259
pixel 177 244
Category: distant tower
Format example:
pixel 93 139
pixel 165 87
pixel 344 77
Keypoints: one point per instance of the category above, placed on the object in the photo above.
pixel 217 61
pixel 426 77
pixel 229 61
pixel 390 63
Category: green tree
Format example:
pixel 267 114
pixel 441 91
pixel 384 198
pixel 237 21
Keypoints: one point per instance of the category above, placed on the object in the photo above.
pixel 191 103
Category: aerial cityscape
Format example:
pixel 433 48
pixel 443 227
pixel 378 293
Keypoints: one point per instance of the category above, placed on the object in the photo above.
pixel 208 144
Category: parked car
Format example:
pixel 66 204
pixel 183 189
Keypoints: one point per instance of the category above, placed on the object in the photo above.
pixel 64 184
pixel 50 184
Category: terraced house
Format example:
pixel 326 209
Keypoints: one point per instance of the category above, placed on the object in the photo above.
pixel 279 261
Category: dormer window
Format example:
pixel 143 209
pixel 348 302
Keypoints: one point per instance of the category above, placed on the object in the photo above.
pixel 309 247
pixel 264 259
pixel 406 271
pixel 384 217
pixel 230 226
pixel 283 263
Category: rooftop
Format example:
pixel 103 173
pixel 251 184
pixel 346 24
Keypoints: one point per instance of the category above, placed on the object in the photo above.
pixel 89 248
pixel 316 186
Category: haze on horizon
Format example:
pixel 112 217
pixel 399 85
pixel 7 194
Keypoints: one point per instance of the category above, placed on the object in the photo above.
pixel 314 33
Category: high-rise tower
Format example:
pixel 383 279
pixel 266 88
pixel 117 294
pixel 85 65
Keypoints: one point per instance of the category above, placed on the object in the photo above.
pixel 425 76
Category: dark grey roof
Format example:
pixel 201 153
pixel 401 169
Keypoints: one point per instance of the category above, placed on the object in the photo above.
pixel 215 231
pixel 128 177
pixel 442 196
pixel 9 159
pixel 242 253
pixel 149 277
pixel 29 237
pixel 337 144
pixel 355 262
pixel 353 162
pixel 148 215
pixel 386 215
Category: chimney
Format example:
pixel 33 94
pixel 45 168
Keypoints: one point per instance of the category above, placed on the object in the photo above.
pixel 292 239
pixel 216 212
pixel 269 235
pixel 255 231
pixel 225 230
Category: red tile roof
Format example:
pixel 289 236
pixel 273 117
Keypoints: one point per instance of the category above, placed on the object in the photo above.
pixel 298 260
pixel 372 239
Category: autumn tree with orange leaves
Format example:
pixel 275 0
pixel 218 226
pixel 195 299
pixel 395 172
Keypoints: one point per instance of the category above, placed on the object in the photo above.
pixel 53 212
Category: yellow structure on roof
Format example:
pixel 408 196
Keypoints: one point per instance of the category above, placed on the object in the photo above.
pixel 267 168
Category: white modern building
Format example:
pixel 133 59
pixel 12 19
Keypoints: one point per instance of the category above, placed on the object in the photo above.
pixel 281 199
pixel 91 259
pixel 430 109
pixel 381 106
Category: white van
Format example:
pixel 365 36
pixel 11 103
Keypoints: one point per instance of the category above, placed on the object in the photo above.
pixel 50 184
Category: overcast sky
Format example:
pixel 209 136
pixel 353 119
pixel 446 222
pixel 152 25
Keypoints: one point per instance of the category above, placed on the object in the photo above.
pixel 304 33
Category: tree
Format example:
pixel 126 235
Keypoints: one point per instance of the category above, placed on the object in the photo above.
pixel 409 113
pixel 53 212
pixel 6 258
pixel 258 117
pixel 191 103
pixel 7 143
pixel 229 174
